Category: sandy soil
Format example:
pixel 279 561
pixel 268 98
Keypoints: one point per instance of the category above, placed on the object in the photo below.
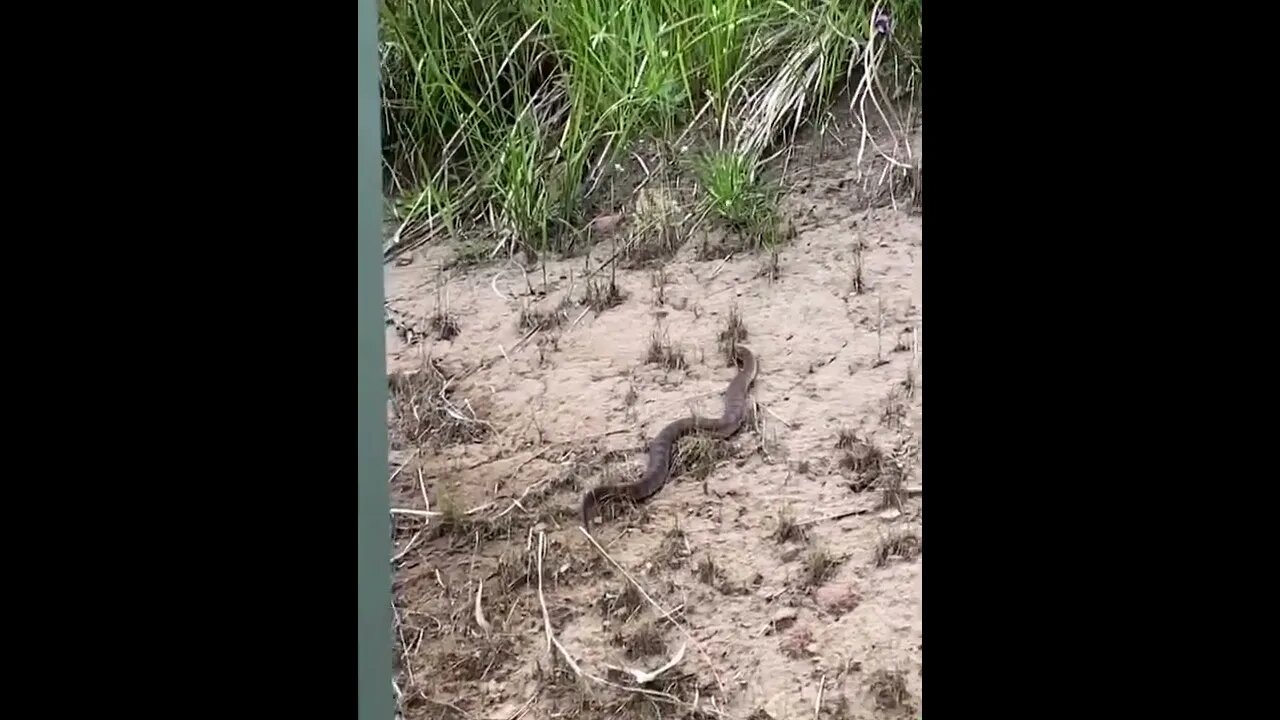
pixel 784 609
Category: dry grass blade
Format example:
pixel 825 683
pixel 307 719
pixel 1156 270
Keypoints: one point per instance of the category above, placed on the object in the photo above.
pixel 554 643
pixel 662 611
pixel 416 513
pixel 426 413
pixel 832 516
pixel 480 619
pixel 413 454
pixel 409 546
pixel 904 544
pixel 546 616
pixel 643 677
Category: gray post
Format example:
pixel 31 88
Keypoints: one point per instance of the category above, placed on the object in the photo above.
pixel 373 557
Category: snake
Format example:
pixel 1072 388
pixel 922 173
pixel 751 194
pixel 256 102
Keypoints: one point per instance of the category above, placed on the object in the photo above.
pixel 660 450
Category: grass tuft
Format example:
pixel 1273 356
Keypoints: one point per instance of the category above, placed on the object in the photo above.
pixel 903 544
pixel 737 193
pixel 427 411
pixel 517 116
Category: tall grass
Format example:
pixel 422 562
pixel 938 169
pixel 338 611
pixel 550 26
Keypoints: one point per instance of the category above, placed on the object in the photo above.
pixel 506 113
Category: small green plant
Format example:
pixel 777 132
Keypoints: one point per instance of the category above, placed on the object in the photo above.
pixel 737 193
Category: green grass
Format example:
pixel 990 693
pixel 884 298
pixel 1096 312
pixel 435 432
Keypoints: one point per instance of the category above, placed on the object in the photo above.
pixel 737 192
pixel 500 115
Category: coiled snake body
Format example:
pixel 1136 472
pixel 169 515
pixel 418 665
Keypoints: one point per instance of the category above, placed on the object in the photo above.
pixel 659 468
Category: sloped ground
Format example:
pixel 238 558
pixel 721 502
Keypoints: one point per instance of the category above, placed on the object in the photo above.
pixel 787 558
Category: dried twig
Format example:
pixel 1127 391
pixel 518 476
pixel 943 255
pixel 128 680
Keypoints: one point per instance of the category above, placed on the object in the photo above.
pixel 404 646
pixel 524 340
pixel 778 417
pixel 405 551
pixel 516 503
pixel 451 706
pixel 407 460
pixel 719 267
pixel 542 602
pixel 493 283
pixel 423 486
pixel 480 620
pixel 527 703
pixel 616 254
pixel 833 516
pixel 643 677
pixel 415 512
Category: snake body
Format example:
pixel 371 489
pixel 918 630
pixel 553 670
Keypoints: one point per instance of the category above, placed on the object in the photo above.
pixel 659 467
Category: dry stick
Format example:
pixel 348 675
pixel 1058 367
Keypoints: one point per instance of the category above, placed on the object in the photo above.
pixel 552 642
pixel 874 81
pixel 415 513
pixel 423 486
pixel 833 516
pixel 644 677
pixel 777 417
pixel 404 650
pixel 407 460
pixel 719 267
pixel 453 411
pixel 451 706
pixel 525 708
pixel 524 339
pixel 405 551
pixel 817 706
pixel 494 284
pixel 667 615
pixel 880 330
pixel 484 624
pixel 542 602
pixel 616 254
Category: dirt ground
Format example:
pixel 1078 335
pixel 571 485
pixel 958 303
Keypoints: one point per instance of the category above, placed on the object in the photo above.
pixel 786 562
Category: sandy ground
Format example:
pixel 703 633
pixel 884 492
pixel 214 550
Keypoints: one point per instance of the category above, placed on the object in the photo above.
pixel 785 609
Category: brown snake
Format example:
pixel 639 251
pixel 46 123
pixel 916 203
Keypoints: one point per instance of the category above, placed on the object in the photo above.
pixel 656 474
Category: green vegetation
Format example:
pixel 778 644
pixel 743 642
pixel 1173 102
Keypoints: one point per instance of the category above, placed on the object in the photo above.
pixel 506 114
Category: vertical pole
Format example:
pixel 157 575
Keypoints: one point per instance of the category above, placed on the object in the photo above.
pixel 373 557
